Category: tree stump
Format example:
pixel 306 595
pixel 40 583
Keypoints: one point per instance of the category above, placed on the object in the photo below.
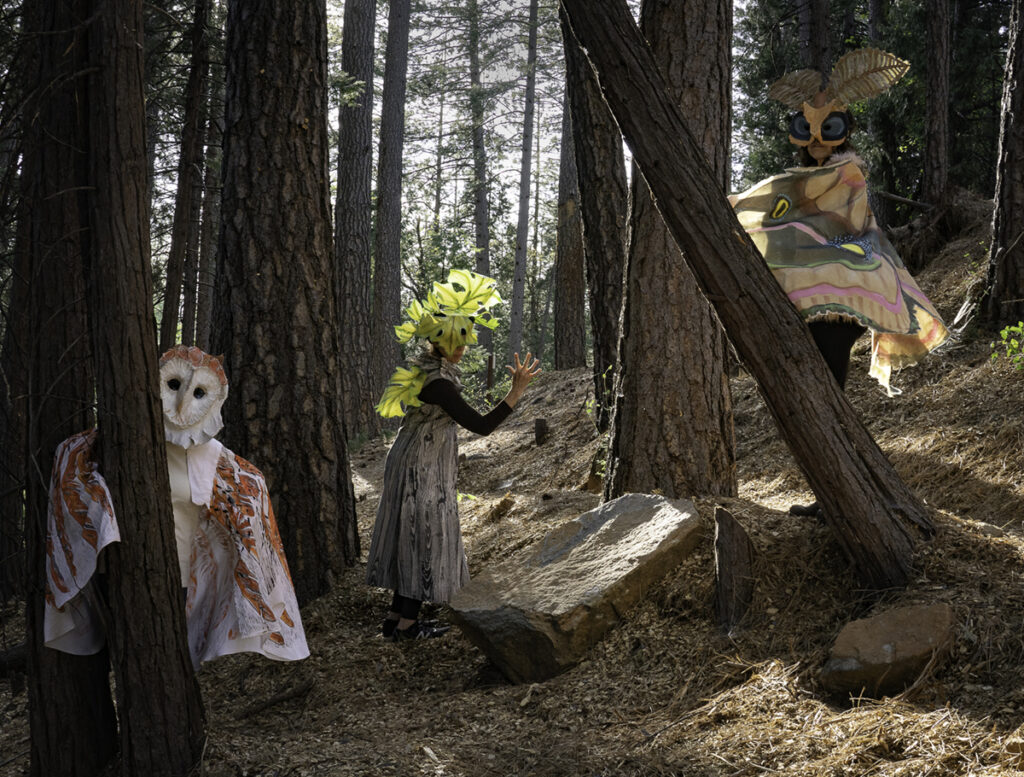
pixel 541 430
pixel 734 578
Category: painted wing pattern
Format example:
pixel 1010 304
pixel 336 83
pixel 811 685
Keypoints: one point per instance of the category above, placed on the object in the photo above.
pixel 819 237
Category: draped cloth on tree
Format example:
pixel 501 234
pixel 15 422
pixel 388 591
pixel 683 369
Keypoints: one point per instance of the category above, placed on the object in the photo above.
pixel 818 235
pixel 416 548
pixel 240 596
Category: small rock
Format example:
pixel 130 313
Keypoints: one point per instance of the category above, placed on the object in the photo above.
pixel 886 653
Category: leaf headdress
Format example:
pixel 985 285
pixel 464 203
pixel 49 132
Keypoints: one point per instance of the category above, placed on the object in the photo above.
pixel 447 318
pixel 858 75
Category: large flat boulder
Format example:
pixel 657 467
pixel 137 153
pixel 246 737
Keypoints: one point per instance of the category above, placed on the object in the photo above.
pixel 886 653
pixel 536 618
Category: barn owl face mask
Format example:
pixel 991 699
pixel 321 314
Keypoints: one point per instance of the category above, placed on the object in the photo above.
pixel 193 388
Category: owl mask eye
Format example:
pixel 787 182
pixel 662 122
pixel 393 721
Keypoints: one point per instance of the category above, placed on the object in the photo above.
pixel 199 393
pixel 174 384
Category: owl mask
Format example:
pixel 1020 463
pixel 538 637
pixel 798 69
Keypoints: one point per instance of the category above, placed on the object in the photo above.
pixel 821 113
pixel 193 387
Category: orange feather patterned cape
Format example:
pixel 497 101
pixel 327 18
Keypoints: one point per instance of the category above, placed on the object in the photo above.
pixel 240 595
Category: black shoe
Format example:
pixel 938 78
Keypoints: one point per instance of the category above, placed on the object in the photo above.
pixel 420 630
pixel 387 627
pixel 805 511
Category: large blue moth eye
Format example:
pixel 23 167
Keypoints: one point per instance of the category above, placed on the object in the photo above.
pixel 834 127
pixel 799 127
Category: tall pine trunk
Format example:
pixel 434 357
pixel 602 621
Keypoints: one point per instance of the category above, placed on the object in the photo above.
pixel 353 223
pixel 276 317
pixel 161 720
pixel 481 211
pixel 387 255
pixel 516 313
pixel 935 177
pixel 206 271
pixel 672 427
pixel 570 283
pixel 603 206
pixel 864 499
pixel 1005 304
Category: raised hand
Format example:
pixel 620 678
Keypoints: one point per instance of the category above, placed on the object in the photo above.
pixel 522 373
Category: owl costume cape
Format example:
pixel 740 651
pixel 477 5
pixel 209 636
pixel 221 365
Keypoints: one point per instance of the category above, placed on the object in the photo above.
pixel 240 596
pixel 416 548
pixel 817 233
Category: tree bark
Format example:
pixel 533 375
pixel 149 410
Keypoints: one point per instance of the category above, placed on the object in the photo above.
pixel 517 309
pixel 210 227
pixel 815 49
pixel 161 723
pixel 604 207
pixel 570 283
pixel 277 318
pixel 1005 303
pixel 672 428
pixel 387 271
pixel 481 211
pixel 71 711
pixel 734 570
pixel 353 227
pixel 863 497
pixel 935 178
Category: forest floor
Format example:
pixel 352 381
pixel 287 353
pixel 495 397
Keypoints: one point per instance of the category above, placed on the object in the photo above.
pixel 666 693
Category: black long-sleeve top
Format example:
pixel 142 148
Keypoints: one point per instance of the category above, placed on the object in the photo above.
pixel 443 393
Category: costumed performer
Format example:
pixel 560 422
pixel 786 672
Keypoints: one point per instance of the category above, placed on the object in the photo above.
pixel 819 237
pixel 416 549
pixel 238 592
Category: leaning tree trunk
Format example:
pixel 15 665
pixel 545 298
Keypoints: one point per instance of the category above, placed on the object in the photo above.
pixel 190 165
pixel 603 207
pixel 1005 304
pixel 277 319
pixel 353 227
pixel 161 715
pixel 517 310
pixel 387 254
pixel 71 712
pixel 863 497
pixel 570 284
pixel 672 427
pixel 481 212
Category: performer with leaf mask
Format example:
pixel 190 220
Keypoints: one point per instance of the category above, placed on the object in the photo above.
pixel 416 549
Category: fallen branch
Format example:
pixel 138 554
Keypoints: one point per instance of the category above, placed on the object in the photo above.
pixel 292 693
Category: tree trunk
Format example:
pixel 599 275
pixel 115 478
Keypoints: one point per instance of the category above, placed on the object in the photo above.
pixel 162 717
pixel 207 269
pixel 863 497
pixel 515 329
pixel 672 424
pixel 570 284
pixel 190 165
pixel 815 50
pixel 277 320
pixel 934 182
pixel 353 227
pixel 481 212
pixel 387 272
pixel 603 206
pixel 1005 304
pixel 71 712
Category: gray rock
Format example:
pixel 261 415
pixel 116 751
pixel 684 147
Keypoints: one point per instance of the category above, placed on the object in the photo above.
pixel 537 618
pixel 886 653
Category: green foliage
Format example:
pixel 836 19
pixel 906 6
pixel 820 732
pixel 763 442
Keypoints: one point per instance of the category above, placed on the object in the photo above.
pixel 1011 338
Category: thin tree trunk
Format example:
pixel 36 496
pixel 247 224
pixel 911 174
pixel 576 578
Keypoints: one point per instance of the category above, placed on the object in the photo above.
pixel 570 334
pixel 276 246
pixel 815 50
pixel 863 497
pixel 604 206
pixel 481 212
pixel 190 165
pixel 353 227
pixel 935 178
pixel 672 426
pixel 161 722
pixel 207 269
pixel 190 283
pixel 515 330
pixel 387 273
pixel 1005 304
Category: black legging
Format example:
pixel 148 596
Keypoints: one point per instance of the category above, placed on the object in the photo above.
pixel 835 340
pixel 405 607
